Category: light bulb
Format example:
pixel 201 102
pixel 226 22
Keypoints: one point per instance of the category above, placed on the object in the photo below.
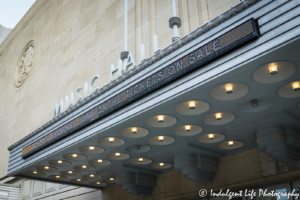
pixel 187 128
pixel 70 172
pixel 57 176
pixel 296 86
pixel 46 167
pixel 211 136
pixel 192 105
pixel 111 179
pixel 83 166
pixel 141 159
pixel 92 148
pixel 78 179
pixel 160 118
pixel 218 116
pixel 35 172
pixel 111 140
pixel 92 175
pixel 161 138
pixel 161 164
pixel 99 160
pixel 230 143
pixel 228 88
pixel 98 183
pixel 134 130
pixel 59 162
pixel 117 154
pixel 74 155
pixel 273 69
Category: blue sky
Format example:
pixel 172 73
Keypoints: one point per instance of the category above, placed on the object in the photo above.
pixel 11 11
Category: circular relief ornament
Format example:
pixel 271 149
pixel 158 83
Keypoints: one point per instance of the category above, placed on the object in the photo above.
pixel 25 64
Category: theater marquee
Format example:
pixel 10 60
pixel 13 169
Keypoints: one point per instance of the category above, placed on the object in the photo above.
pixel 205 54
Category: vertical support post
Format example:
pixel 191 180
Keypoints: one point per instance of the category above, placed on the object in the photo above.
pixel 174 22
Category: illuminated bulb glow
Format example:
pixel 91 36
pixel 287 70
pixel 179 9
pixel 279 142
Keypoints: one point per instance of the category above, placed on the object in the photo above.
pixel 57 176
pixel 74 155
pixel 46 167
pixel 160 118
pixel 211 136
pixel 228 88
pixel 218 116
pixel 111 179
pixel 296 86
pixel 59 162
pixel 83 166
pixel 98 183
pixel 92 175
pixel 70 172
pixel 78 179
pixel 134 130
pixel 161 138
pixel 141 159
pixel 187 128
pixel 273 69
pixel 230 143
pixel 99 160
pixel 161 164
pixel 111 140
pixel 192 105
pixel 92 148
pixel 35 172
pixel 117 154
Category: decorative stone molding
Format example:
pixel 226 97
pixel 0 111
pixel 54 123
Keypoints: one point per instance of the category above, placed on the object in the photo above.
pixel 243 5
pixel 25 64
pixel 196 168
pixel 137 183
pixel 282 146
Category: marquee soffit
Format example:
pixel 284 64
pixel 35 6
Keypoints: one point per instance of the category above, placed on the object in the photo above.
pixel 168 50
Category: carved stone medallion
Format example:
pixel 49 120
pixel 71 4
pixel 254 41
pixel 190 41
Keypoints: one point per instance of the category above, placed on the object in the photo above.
pixel 25 64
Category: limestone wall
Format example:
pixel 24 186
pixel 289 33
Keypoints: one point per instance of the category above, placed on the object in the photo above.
pixel 73 40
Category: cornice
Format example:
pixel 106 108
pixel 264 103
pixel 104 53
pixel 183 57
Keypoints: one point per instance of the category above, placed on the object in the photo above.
pixel 243 5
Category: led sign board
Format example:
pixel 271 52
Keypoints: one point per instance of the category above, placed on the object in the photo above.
pixel 226 43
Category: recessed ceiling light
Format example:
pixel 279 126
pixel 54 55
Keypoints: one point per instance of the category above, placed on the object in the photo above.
pixel 117 154
pixel 74 155
pixel 141 159
pixel 57 176
pixel 79 179
pixel 161 164
pixel 228 88
pixel 99 160
pixel 187 128
pixel 98 183
pixel 35 172
pixel 160 118
pixel 59 162
pixel 230 143
pixel 273 69
pixel 70 172
pixel 296 86
pixel 111 179
pixel 254 103
pixel 84 166
pixel 92 175
pixel 161 138
pixel 111 140
pixel 92 148
pixel 192 105
pixel 218 116
pixel 46 167
pixel 134 130
pixel 211 136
